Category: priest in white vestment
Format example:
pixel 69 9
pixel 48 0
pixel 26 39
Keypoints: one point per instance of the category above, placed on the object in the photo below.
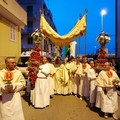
pixel 51 77
pixel 72 70
pixel 59 79
pixel 41 93
pixel 91 74
pixel 84 83
pixel 65 77
pixel 58 63
pixel 77 77
pixel 11 82
pixel 107 98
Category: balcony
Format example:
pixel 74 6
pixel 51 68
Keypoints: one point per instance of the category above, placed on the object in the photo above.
pixel 8 10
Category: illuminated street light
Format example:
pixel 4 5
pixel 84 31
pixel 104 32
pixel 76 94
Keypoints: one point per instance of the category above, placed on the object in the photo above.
pixel 103 12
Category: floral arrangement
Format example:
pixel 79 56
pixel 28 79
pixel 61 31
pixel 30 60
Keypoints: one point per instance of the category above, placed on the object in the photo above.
pixel 103 38
pixel 38 36
pixel 33 66
pixel 35 57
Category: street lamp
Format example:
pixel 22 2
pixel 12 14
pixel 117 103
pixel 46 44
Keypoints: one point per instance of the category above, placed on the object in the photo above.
pixel 103 12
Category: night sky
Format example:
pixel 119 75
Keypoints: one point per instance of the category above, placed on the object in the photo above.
pixel 66 13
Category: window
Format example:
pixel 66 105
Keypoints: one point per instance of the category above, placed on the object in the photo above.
pixel 12 32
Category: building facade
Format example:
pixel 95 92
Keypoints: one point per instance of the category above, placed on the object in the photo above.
pixel 33 7
pixel 118 28
pixel 12 20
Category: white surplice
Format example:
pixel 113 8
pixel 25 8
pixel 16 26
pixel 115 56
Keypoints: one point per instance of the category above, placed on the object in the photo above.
pixel 51 78
pixel 107 101
pixel 77 77
pixel 92 77
pixel 10 105
pixel 41 94
pixel 84 83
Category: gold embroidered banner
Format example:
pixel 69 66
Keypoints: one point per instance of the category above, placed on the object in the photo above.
pixel 78 30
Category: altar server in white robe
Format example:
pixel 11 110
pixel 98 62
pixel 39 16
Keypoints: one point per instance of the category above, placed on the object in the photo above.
pixel 84 83
pixel 72 70
pixel 91 74
pixel 42 87
pixel 107 98
pixel 77 77
pixel 65 76
pixel 11 82
pixel 59 79
pixel 51 76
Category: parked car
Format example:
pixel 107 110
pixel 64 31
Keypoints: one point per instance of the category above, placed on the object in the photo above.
pixel 22 63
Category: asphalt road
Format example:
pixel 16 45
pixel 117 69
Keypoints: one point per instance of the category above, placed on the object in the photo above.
pixel 63 108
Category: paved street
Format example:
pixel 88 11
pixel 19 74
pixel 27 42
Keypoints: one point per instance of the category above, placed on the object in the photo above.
pixel 62 108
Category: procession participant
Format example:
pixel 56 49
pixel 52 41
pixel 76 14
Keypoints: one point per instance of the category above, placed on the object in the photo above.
pixel 41 96
pixel 58 75
pixel 51 79
pixel 11 83
pixel 59 79
pixel 91 74
pixel 72 70
pixel 77 76
pixel 65 76
pixel 57 62
pixel 107 98
pixel 84 83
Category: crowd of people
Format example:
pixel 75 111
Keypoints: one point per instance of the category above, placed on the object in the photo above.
pixel 71 76
pixel 80 78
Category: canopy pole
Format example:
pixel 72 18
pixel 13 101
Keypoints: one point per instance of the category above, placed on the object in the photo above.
pixel 80 17
pixel 86 10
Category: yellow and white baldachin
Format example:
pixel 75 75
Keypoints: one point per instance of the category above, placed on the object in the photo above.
pixel 78 30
